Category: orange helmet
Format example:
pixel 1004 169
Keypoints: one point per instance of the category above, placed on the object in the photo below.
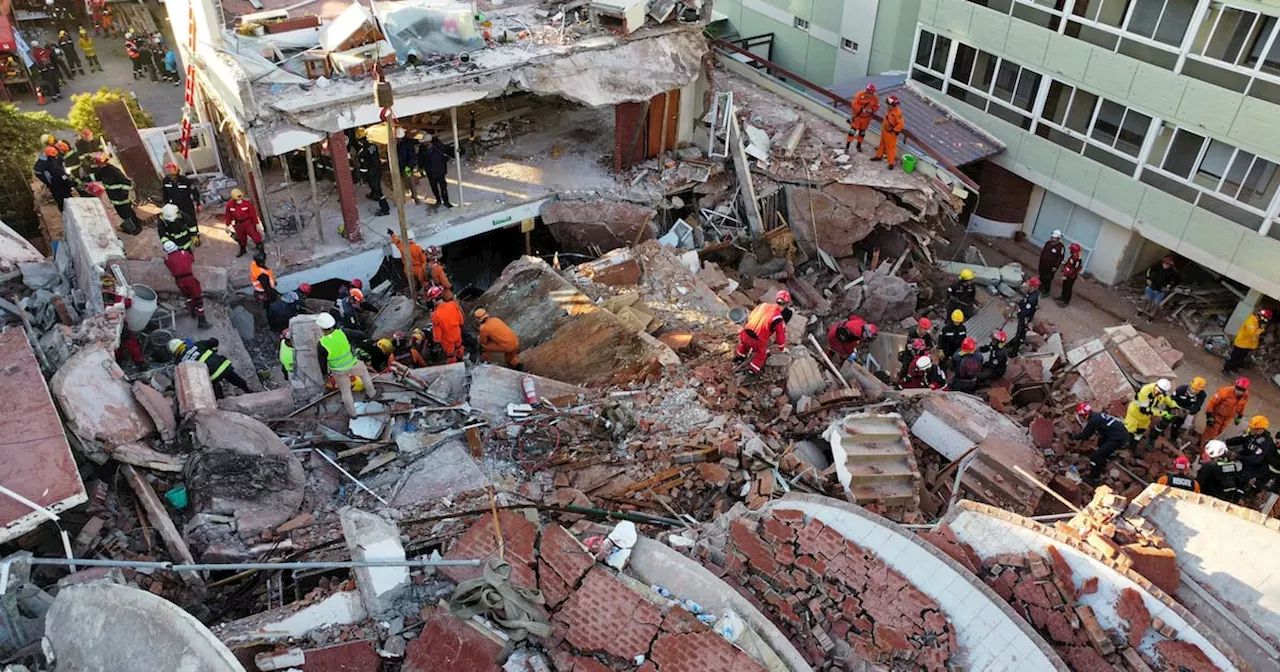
pixel 50 151
pixel 171 167
pixel 357 295
pixel 63 147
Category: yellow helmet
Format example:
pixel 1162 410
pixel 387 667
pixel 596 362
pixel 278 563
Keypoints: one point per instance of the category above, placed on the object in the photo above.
pixel 385 345
pixel 236 194
pixel 1198 383
pixel 966 274
pixel 1259 422
pixel 361 133
pixel 957 316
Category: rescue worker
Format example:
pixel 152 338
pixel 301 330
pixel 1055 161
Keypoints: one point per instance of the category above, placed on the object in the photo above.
pixel 960 294
pixel 1152 399
pixel 1226 405
pixel 404 353
pixel 119 189
pixel 1070 272
pixel 434 162
pixel 1254 450
pixel 923 374
pixel 864 106
pixel 337 358
pixel 996 362
pixel 914 349
pixel 286 354
pixel 46 71
pixel 86 147
pixel 922 330
pixel 71 158
pixel 497 338
pixel 892 126
pixel 68 47
pixel 206 352
pixel 1026 312
pixel 1051 256
pixel 767 320
pixel 260 276
pixel 134 50
pixel 417 257
pixel 446 325
pixel 90 50
pixel 407 157
pixel 952 335
pixel 1180 477
pixel 1161 278
pixel 181 191
pixel 435 272
pixel 844 338
pixel 346 310
pixel 60 62
pixel 967 367
pixel 50 170
pixel 370 165
pixel 174 226
pixel 1112 436
pixel 1221 476
pixel 284 307
pixel 242 218
pixel 180 263
pixel 1189 399
pixel 1246 340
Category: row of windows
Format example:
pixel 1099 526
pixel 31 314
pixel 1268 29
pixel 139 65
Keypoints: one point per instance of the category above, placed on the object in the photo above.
pixel 1231 47
pixel 1212 174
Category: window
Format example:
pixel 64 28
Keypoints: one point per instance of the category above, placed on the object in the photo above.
pixel 1102 130
pixel 932 52
pixel 801 24
pixel 1043 13
pixel 1164 21
pixel 848 45
pixel 1212 174
pixel 990 83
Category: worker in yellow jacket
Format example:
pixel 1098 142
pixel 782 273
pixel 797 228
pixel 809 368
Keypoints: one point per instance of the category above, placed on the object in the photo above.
pixel 1152 399
pixel 1246 341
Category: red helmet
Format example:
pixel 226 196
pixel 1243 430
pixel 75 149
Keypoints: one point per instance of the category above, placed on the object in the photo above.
pixel 433 251
pixel 100 159
pixel 1083 409
pixel 357 283
pixel 398 336
pixel 968 345
pixel 435 292
pixel 869 331
pixel 95 188
pixel 892 100
pixel 1074 247
pixel 924 323
pixel 1034 283
pixel 86 133
pixel 1182 463
pixel 1168 260
pixel 304 289
pixel 783 296
pixel 871 88
pixel 1242 383
pixel 1265 314
pixel 171 167
pixel 919 345
pixel 1000 337
pixel 285 334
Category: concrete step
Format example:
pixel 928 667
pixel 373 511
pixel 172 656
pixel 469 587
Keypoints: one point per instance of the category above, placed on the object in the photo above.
pixel 867 472
pixel 860 452
pixel 892 493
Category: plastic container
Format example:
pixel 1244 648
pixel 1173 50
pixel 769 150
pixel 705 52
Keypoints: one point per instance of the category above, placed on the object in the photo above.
pixel 143 307
pixel 908 163
pixel 177 497
pixel 158 345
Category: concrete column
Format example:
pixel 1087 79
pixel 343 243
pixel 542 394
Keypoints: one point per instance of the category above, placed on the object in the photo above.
pixel 346 185
pixel 94 247
pixel 306 382
pixel 1245 306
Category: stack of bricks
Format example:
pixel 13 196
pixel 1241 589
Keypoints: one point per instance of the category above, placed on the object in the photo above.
pixel 1130 543
pixel 835 600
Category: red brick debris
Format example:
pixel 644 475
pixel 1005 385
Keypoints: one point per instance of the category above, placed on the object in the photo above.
pixel 1042 590
pixel 835 600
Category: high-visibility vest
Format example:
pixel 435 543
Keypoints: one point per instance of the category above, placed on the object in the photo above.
pixel 219 366
pixel 286 356
pixel 341 357
pixel 760 321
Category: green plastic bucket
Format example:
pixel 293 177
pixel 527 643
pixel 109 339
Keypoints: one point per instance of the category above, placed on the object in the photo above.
pixel 177 497
pixel 908 163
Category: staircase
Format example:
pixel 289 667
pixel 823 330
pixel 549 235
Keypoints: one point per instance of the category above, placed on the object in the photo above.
pixel 877 464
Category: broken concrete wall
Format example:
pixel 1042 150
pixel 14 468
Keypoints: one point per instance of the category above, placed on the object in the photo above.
pixel 306 381
pixel 493 387
pixel 989 532
pixel 154 274
pixel 94 246
pixel 588 226
pixel 98 402
pixel 974 611
pixel 534 300
pixel 14 250
pixel 372 539
pixel 842 214
pixel 104 627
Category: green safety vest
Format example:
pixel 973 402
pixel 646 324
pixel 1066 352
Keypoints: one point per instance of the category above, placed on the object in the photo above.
pixel 221 368
pixel 341 358
pixel 286 356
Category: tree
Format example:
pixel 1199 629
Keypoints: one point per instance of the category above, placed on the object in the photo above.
pixel 19 147
pixel 84 114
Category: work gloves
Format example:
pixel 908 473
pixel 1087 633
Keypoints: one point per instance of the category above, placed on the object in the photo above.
pixel 195 241
pixel 1238 419
pixel 1210 421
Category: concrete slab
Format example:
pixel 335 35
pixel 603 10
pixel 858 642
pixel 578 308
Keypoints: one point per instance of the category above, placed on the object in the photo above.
pixel 447 381
pixel 154 274
pixel 242 468
pixel 289 622
pixel 194 389
pixel 370 538
pixel 534 300
pixel 450 643
pixel 158 407
pixel 97 400
pixel 104 627
pixel 268 404
pixel 985 275
pixel 1135 351
pixel 306 382
pixel 493 387
pixel 37 459
pixel 1106 381
pixel 446 471
pixel 94 247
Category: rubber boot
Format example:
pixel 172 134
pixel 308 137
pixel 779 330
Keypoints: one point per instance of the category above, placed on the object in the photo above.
pixel 859 147
pixel 203 322
pixel 242 250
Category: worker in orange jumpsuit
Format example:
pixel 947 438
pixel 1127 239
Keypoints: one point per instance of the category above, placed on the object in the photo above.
pixel 864 106
pixel 446 325
pixel 497 338
pixel 435 272
pixel 765 320
pixel 1226 405
pixel 890 129
pixel 260 276
pixel 417 257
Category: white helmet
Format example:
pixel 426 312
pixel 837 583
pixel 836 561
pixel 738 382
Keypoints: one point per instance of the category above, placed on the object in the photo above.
pixel 169 212
pixel 924 362
pixel 1215 449
pixel 1164 385
pixel 413 236
pixel 169 246
pixel 176 345
pixel 1057 233
pixel 325 321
